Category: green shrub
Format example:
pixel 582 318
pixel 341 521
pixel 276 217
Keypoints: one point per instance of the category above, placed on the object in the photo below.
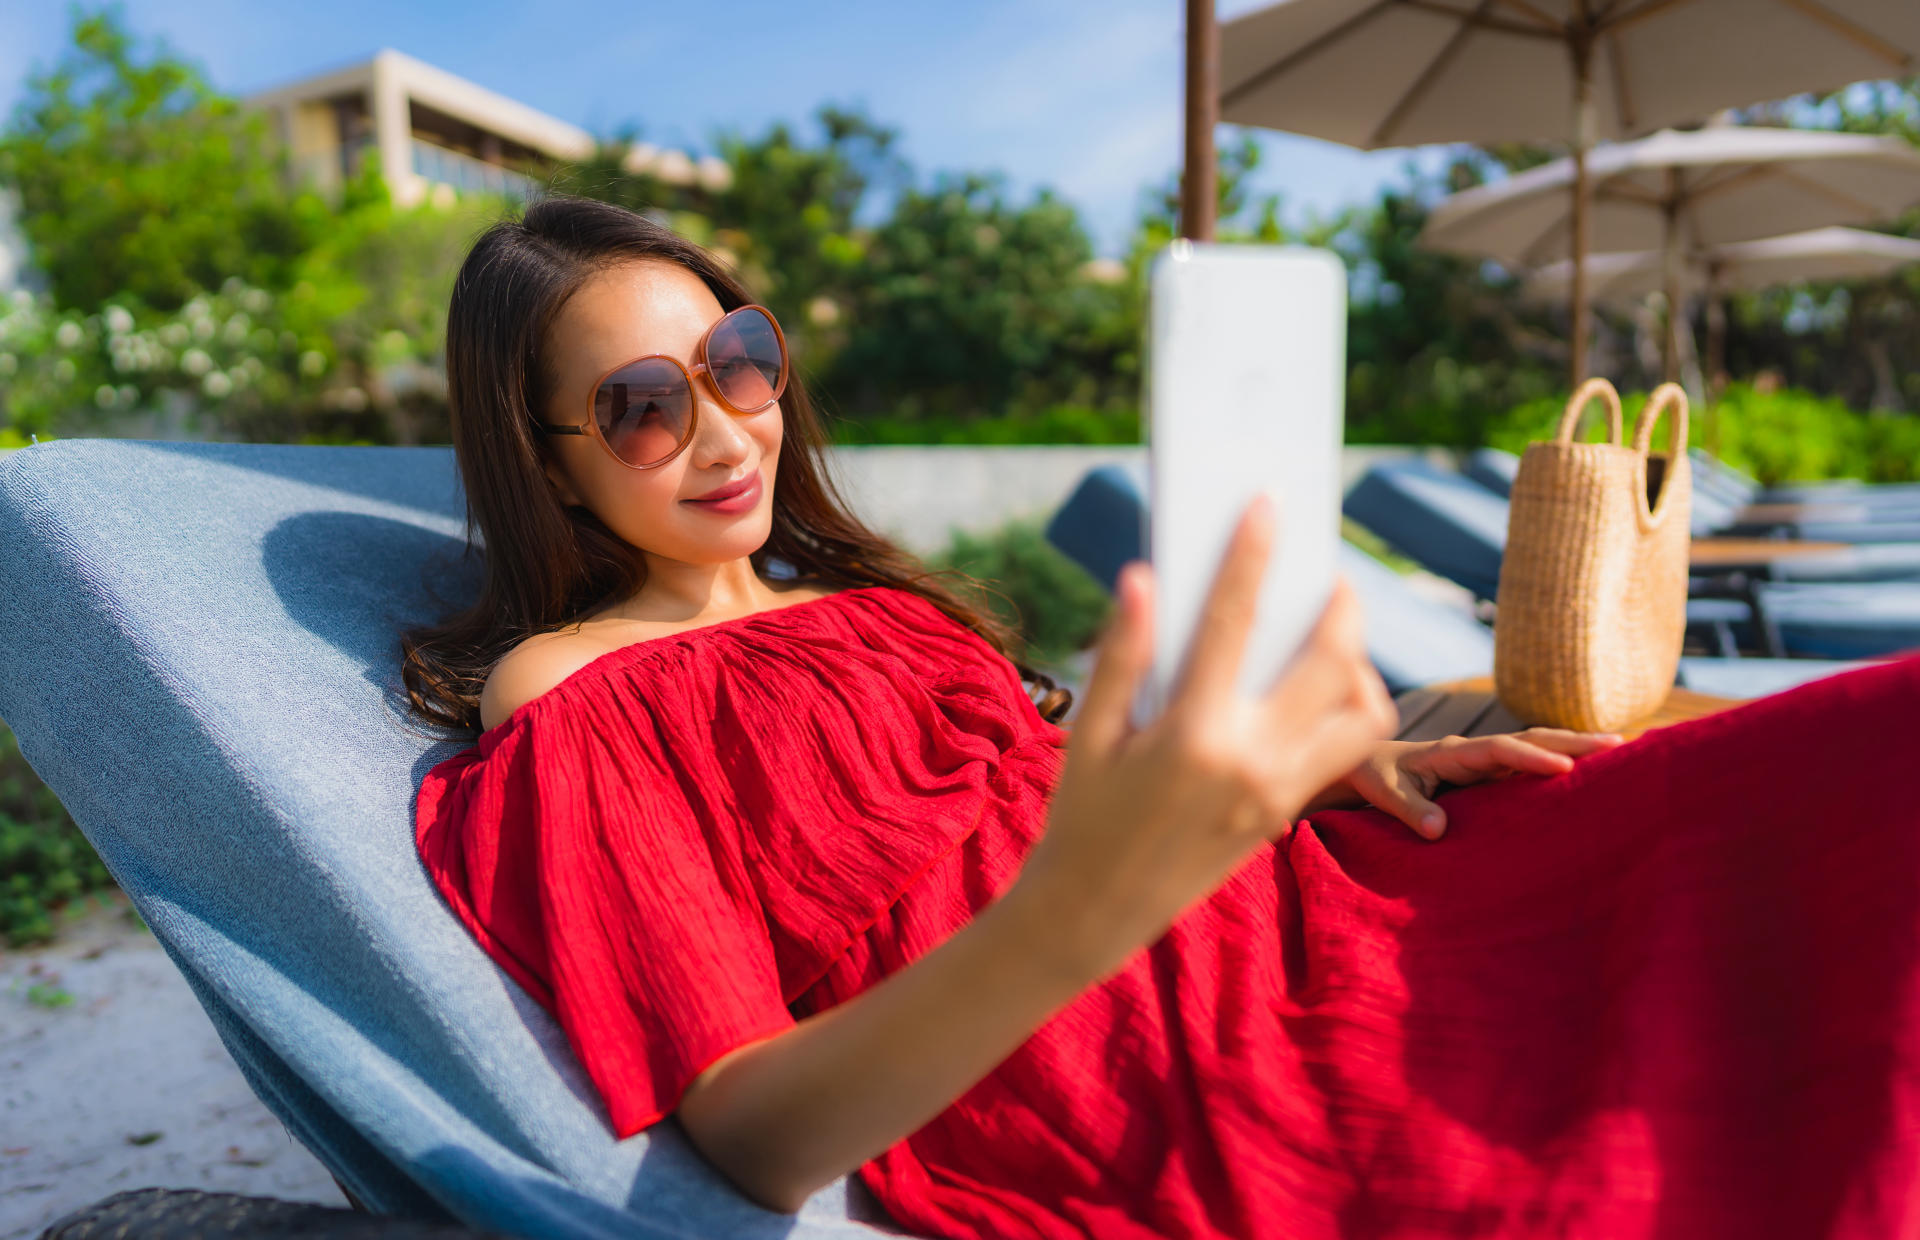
pixel 44 860
pixel 1019 575
pixel 1795 436
pixel 1787 435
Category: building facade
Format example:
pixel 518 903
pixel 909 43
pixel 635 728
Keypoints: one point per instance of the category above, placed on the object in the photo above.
pixel 438 135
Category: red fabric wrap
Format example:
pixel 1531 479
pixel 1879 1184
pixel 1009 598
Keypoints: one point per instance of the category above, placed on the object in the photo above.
pixel 1670 994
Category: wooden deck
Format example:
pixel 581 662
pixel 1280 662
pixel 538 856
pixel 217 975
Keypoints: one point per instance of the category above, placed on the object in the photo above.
pixel 1753 553
pixel 1469 708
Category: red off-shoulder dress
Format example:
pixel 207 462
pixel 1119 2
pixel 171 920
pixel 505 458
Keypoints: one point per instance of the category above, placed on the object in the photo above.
pixel 1672 993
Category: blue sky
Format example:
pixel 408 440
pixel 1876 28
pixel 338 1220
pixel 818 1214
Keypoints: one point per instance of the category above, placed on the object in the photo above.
pixel 1079 95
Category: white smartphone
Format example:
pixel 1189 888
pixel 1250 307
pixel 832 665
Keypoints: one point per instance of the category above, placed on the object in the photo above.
pixel 1245 388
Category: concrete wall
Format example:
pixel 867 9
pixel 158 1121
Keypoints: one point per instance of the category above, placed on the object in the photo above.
pixel 919 495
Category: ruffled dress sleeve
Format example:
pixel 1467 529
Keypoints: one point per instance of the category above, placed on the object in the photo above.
pixel 576 865
pixel 671 849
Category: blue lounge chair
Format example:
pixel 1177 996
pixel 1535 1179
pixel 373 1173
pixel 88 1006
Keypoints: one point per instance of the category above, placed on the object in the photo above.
pixel 1885 538
pixel 197 652
pixel 1412 640
pixel 1741 488
pixel 1457 528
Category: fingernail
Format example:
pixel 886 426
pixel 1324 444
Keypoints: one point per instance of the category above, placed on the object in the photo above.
pixel 1433 823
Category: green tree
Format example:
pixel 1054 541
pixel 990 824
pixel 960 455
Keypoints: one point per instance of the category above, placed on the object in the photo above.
pixel 1239 214
pixel 968 303
pixel 1437 346
pixel 956 305
pixel 790 213
pixel 787 218
pixel 137 181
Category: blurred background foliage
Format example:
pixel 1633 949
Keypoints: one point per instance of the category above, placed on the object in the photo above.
pixel 184 287
pixel 1777 435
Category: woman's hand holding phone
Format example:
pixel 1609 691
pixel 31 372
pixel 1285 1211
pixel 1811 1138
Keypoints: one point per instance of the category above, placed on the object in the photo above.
pixel 1145 822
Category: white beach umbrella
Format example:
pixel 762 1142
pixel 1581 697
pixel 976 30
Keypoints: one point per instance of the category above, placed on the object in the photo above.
pixel 1683 193
pixel 1699 190
pixel 1817 254
pixel 1379 73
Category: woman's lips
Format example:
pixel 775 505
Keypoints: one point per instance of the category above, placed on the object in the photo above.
pixel 741 496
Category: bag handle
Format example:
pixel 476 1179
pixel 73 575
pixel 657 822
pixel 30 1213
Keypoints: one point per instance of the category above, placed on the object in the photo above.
pixel 1664 395
pixel 1570 420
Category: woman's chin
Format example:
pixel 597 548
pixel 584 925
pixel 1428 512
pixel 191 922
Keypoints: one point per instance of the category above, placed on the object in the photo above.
pixel 732 540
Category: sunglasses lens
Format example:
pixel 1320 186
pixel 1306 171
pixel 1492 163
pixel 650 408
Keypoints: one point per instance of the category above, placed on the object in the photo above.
pixel 747 359
pixel 644 410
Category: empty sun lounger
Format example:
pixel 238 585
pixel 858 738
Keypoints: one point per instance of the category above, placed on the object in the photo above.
pixel 1412 640
pixel 1738 487
pixel 1457 528
pixel 198 649
pixel 1885 540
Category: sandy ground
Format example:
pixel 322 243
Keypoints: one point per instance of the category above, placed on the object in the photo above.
pixel 126 1085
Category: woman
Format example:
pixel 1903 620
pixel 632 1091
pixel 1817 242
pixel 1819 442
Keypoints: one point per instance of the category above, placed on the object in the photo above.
pixel 797 859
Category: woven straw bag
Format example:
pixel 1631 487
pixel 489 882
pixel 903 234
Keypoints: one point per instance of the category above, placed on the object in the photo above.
pixel 1592 605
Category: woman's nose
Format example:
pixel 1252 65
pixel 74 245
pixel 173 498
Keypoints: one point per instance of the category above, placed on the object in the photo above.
pixel 720 438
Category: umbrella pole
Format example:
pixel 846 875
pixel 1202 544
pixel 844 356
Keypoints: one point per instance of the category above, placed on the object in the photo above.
pixel 1716 356
pixel 1198 196
pixel 1670 210
pixel 1716 331
pixel 1582 201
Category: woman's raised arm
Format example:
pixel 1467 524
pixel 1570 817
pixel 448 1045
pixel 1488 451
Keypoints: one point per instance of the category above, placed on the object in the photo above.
pixel 1143 824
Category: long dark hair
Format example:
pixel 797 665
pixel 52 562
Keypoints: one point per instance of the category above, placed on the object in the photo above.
pixel 547 564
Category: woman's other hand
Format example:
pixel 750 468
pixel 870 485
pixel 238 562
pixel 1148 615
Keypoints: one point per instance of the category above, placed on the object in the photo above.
pixel 1401 777
pixel 1144 822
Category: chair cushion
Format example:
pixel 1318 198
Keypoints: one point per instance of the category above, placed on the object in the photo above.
pixel 1451 526
pixel 198 653
pixel 1492 469
pixel 1412 640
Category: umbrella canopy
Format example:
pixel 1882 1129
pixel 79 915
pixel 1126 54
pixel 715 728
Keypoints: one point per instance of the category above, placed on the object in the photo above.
pixel 1375 73
pixel 1717 185
pixel 1683 192
pixel 1818 254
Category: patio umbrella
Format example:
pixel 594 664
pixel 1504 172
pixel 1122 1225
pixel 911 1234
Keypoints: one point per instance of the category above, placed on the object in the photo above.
pixel 1683 193
pixel 1818 254
pixel 1378 73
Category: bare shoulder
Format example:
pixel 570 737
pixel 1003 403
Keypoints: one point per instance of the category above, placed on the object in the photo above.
pixel 542 661
pixel 533 667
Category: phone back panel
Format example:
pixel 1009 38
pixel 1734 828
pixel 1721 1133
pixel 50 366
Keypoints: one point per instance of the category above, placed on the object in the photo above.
pixel 1245 391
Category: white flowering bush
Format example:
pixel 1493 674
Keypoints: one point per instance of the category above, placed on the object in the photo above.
pixel 350 353
pixel 228 354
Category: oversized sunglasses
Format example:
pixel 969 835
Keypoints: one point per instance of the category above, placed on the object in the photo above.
pixel 644 411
